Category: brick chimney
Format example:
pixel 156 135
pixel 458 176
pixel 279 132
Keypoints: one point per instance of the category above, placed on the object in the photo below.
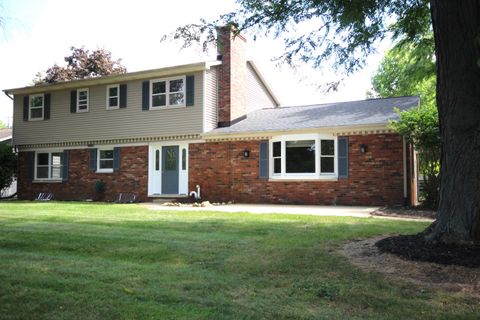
pixel 232 76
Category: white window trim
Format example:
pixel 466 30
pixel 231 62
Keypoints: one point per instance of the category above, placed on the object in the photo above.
pixel 30 107
pixel 302 176
pixel 117 96
pixel 167 87
pixel 98 160
pixel 78 100
pixel 49 179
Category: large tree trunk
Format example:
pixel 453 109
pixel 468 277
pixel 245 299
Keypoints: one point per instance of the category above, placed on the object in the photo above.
pixel 456 27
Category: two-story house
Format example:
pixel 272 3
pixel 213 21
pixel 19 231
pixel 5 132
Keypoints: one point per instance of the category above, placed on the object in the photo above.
pixel 216 124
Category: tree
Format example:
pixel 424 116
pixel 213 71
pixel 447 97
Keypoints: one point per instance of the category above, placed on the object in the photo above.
pixel 409 69
pixel 82 64
pixel 348 30
pixel 8 165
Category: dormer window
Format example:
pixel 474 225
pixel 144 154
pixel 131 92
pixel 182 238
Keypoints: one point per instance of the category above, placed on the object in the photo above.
pixel 36 110
pixel 167 93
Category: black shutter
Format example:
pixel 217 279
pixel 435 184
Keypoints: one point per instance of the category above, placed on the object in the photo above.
pixel 116 159
pixel 73 101
pixel 46 106
pixel 146 95
pixel 26 102
pixel 93 159
pixel 30 165
pixel 66 161
pixel 123 96
pixel 190 90
pixel 263 160
pixel 343 157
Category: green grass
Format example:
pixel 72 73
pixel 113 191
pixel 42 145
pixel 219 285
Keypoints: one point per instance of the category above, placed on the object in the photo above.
pixel 101 261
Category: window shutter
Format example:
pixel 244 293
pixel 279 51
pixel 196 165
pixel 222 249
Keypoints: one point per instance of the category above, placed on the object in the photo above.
pixel 66 163
pixel 123 96
pixel 263 160
pixel 73 101
pixel 46 106
pixel 146 95
pixel 93 159
pixel 26 102
pixel 190 90
pixel 30 155
pixel 343 157
pixel 116 159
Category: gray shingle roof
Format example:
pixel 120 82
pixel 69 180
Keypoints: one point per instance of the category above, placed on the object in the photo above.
pixel 344 114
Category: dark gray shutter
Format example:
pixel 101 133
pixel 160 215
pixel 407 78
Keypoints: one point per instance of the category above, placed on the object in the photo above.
pixel 66 163
pixel 263 160
pixel 123 96
pixel 343 157
pixel 73 101
pixel 30 165
pixel 116 159
pixel 146 95
pixel 93 159
pixel 26 102
pixel 46 106
pixel 190 90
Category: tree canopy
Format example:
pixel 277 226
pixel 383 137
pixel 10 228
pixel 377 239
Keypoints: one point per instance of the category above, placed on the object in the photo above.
pixel 81 64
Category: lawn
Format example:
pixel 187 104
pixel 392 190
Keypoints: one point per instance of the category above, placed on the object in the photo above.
pixel 104 261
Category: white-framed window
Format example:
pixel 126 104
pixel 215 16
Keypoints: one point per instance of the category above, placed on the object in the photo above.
pixel 113 96
pixel 82 100
pixel 168 92
pixel 105 160
pixel 303 156
pixel 36 107
pixel 48 166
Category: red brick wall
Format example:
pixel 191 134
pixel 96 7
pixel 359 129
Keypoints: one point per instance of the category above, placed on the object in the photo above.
pixel 132 177
pixel 232 75
pixel 375 177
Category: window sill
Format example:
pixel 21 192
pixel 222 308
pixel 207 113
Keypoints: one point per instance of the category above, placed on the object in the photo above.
pixel 113 108
pixel 302 179
pixel 167 107
pixel 35 119
pixel 48 181
pixel 104 171
pixel 82 111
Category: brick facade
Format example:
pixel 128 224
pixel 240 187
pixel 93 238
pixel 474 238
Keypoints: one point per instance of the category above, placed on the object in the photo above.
pixel 375 177
pixel 132 177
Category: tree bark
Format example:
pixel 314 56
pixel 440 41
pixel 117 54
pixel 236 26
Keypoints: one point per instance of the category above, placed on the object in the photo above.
pixel 456 27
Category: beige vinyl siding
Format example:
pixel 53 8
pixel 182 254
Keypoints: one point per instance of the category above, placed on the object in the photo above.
pixel 211 99
pixel 257 95
pixel 100 123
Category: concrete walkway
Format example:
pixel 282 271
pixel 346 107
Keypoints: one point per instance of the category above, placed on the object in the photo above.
pixel 346 211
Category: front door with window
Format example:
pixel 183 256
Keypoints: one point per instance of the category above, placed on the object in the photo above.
pixel 168 172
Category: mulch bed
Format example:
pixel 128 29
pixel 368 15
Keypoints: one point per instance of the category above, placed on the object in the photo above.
pixel 414 247
pixel 405 212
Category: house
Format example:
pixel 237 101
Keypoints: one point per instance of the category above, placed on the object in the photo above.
pixel 216 124
pixel 6 136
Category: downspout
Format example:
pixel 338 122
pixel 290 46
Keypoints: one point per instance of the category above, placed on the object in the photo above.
pixel 405 200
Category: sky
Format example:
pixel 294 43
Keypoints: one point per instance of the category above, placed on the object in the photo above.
pixel 38 34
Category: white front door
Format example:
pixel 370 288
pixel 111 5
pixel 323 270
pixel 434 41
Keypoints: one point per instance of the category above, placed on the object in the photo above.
pixel 168 169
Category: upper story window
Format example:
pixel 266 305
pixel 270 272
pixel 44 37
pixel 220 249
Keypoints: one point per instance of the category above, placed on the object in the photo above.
pixel 36 107
pixel 167 93
pixel 113 96
pixel 49 165
pixel 82 100
pixel 303 156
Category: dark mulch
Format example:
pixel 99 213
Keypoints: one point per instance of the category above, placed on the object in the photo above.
pixel 414 247
pixel 404 212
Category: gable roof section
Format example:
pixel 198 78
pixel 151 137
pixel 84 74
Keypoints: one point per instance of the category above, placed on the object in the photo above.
pixel 374 112
pixel 5 134
pixel 264 82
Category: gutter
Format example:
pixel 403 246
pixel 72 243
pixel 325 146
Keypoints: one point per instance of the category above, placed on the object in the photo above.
pixel 8 94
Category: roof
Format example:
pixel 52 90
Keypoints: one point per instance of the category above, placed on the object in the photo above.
pixel 5 134
pixel 329 115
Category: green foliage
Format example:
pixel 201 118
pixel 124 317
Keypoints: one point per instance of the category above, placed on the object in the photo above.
pixel 82 64
pixel 2 125
pixel 344 30
pixel 8 165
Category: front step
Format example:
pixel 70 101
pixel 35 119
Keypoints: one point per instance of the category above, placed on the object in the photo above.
pixel 161 199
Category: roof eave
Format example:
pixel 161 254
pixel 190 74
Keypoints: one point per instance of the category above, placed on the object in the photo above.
pixel 138 75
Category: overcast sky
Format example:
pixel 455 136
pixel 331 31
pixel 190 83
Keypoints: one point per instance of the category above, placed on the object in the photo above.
pixel 38 34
